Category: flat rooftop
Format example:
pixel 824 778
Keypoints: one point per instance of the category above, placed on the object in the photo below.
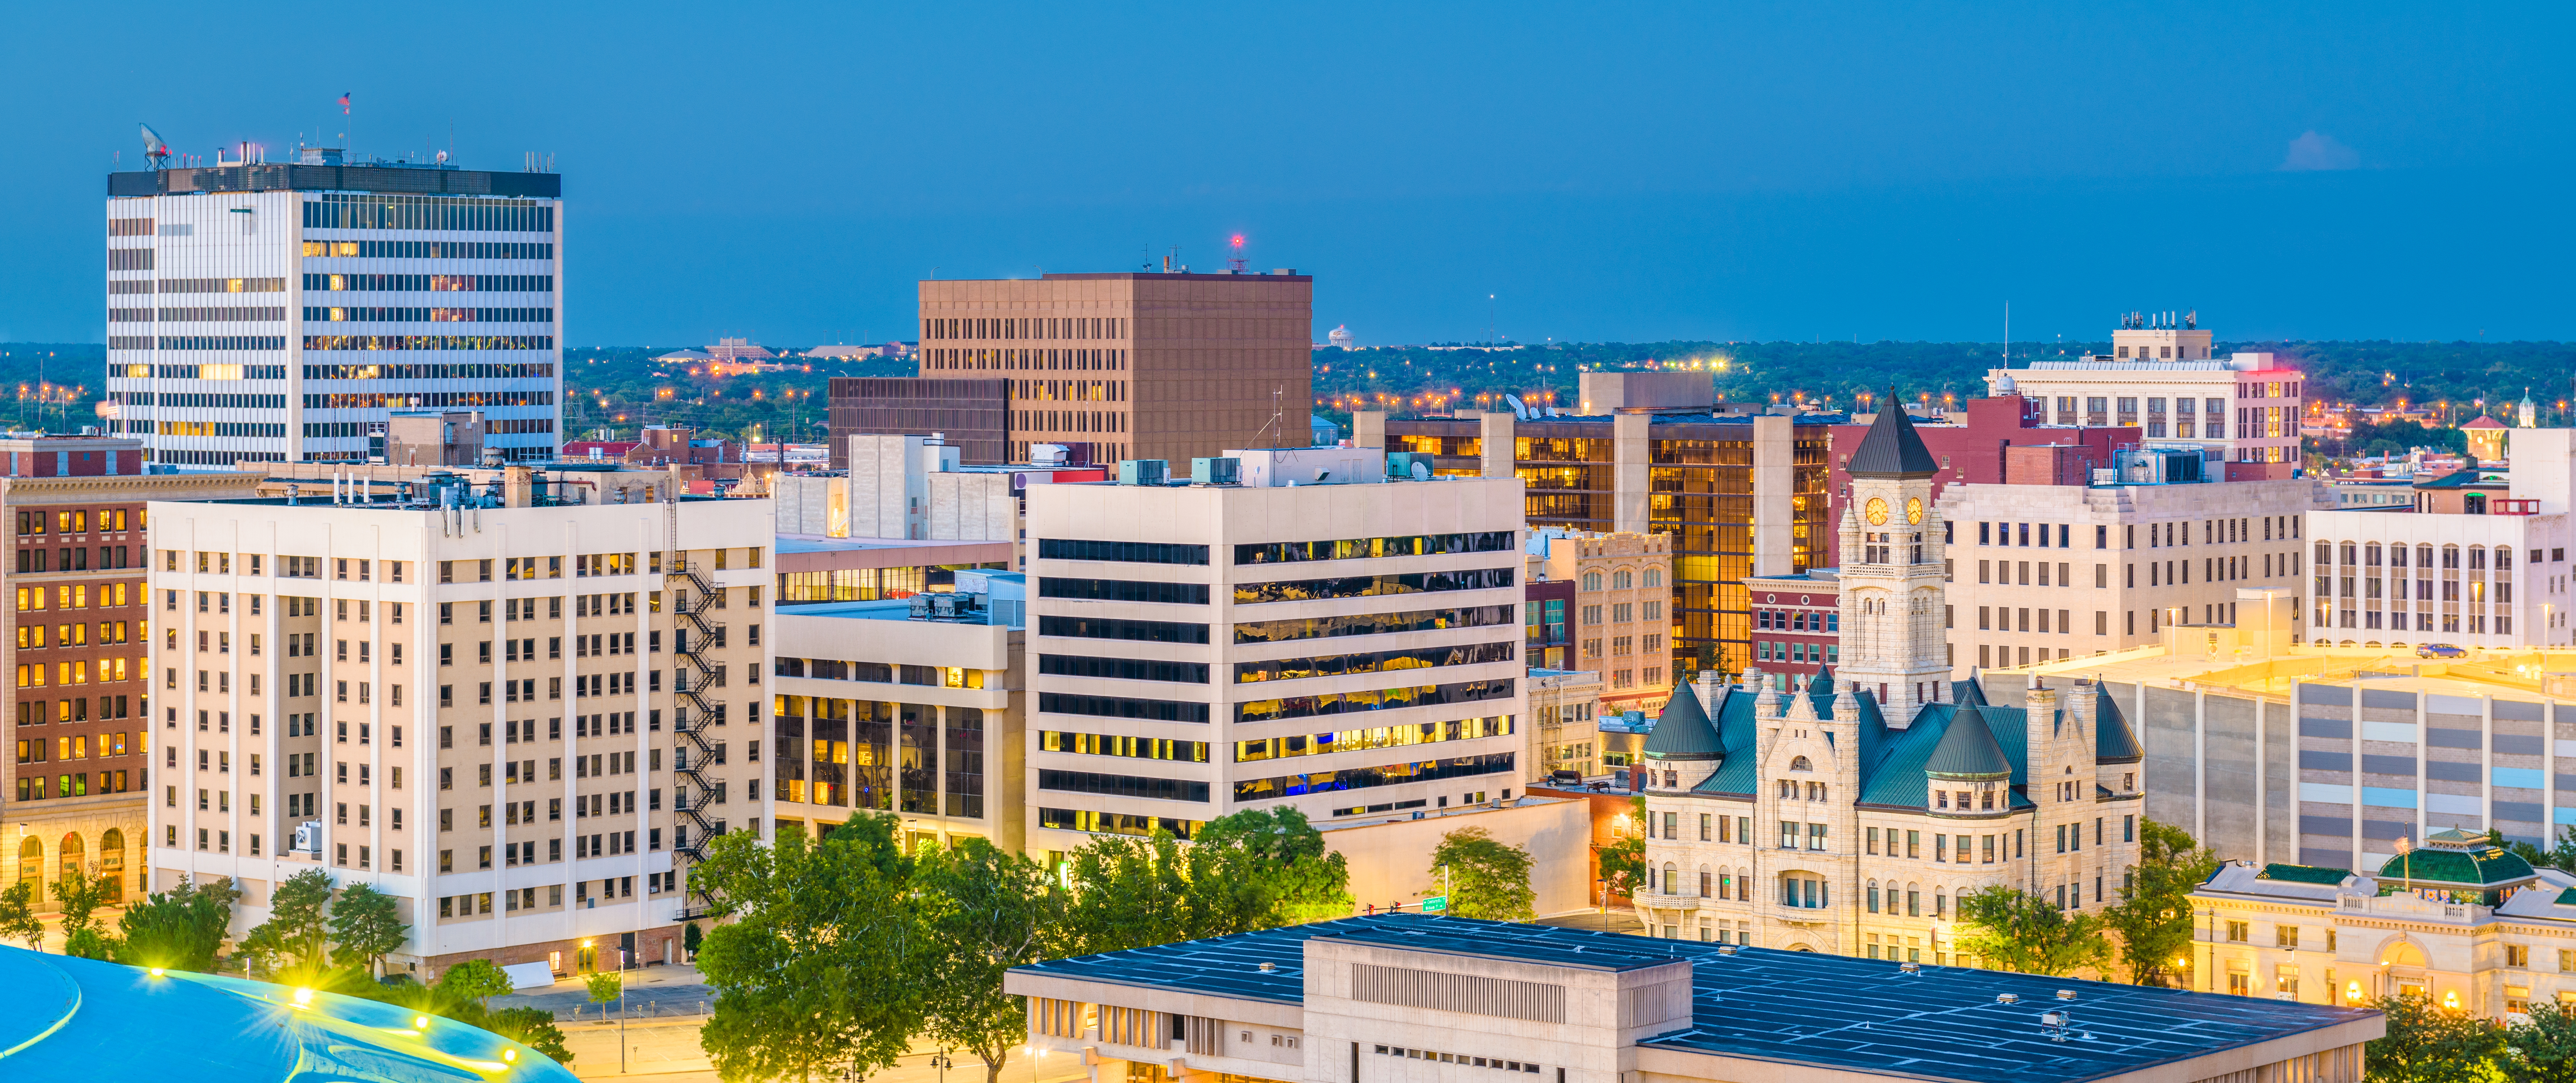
pixel 1783 1006
pixel 2504 673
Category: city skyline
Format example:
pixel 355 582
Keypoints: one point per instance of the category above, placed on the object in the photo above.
pixel 1642 176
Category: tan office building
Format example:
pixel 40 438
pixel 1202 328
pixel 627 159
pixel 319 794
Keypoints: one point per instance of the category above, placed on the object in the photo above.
pixel 1133 365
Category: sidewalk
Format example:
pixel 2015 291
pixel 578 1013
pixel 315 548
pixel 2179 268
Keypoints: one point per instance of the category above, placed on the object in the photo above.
pixel 652 992
pixel 668 1052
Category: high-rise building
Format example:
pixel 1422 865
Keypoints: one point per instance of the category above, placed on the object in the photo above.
pixel 972 415
pixel 279 311
pixel 1132 365
pixel 1346 648
pixel 520 717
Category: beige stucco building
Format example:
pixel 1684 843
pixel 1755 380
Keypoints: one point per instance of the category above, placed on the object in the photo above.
pixel 521 718
pixel 2047 572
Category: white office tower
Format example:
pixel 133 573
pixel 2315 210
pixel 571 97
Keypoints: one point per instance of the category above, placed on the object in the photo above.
pixel 1316 635
pixel 522 717
pixel 277 311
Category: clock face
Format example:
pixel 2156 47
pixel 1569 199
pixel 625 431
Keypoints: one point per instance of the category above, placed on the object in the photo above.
pixel 1913 509
pixel 1876 510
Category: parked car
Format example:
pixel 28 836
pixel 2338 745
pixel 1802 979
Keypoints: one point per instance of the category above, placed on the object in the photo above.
pixel 2441 650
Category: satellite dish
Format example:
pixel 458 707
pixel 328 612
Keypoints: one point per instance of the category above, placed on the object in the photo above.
pixel 1518 410
pixel 155 149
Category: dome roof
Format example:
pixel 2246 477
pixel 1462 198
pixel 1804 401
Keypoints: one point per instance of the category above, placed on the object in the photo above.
pixel 58 1013
pixel 2457 857
pixel 2004 385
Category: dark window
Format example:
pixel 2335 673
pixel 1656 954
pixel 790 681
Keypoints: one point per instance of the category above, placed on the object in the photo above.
pixel 1132 669
pixel 1122 552
pixel 1124 590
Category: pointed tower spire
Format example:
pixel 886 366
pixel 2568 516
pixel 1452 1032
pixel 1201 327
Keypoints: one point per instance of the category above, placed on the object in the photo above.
pixel 1892 450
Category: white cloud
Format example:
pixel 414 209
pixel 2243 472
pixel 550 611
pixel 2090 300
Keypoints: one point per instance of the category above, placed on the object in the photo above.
pixel 2315 150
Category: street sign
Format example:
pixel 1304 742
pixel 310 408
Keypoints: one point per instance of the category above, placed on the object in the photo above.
pixel 1435 904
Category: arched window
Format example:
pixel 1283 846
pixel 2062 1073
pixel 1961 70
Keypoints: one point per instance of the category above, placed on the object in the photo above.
pixel 1913 901
pixel 1672 886
pixel 2348 551
pixel 1800 764
pixel 1654 577
pixel 1873 896
pixel 1619 579
pixel 1592 580
pixel 111 864
pixel 2450 556
pixel 1707 881
pixel 31 864
pixel 73 855
pixel 1940 903
pixel 1743 884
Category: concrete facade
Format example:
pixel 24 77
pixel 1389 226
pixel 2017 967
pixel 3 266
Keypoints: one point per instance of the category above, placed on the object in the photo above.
pixel 2043 572
pixel 876 710
pixel 2488 570
pixel 1622 603
pixel 2246 407
pixel 329 676
pixel 1253 634
pixel 1133 366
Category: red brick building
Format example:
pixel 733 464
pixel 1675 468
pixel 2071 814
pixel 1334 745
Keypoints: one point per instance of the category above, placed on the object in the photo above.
pixel 1971 445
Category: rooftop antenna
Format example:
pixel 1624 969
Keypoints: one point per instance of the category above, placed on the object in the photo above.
pixel 156 150
pixel 1237 263
pixel 2007 334
pixel 1277 416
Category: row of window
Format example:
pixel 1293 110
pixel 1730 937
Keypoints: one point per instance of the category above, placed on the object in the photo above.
pixel 425 315
pixel 395 400
pixel 1361 778
pixel 829 669
pixel 205 401
pixel 1376 699
pixel 1161 710
pixel 196 342
pixel 1411 545
pixel 199 285
pixel 1107 785
pixel 1122 551
pixel 1798 653
pixel 77 521
pixel 2367 555
pixel 390 283
pixel 1139 631
pixel 1129 747
pixel 1322 744
pixel 1371 586
pixel 1128 669
pixel 1124 590
pixel 1338 665
pixel 1033 327
pixel 32 637
pixel 1019 360
pixel 425 342
pixel 197 315
pixel 429 372
pixel 352 210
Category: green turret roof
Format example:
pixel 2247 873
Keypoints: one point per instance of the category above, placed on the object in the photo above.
pixel 1684 732
pixel 2113 741
pixel 1967 751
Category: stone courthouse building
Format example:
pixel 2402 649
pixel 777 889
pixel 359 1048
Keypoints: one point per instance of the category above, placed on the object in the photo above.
pixel 1850 813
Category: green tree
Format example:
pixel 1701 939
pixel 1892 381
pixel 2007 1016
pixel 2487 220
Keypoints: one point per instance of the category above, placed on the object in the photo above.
pixel 18 919
pixel 179 929
pixel 1485 878
pixel 365 927
pixel 474 981
pixel 2153 916
pixel 1128 893
pixel 2019 931
pixel 819 974
pixel 89 943
pixel 986 910
pixel 1303 881
pixel 690 937
pixel 605 985
pixel 78 895
pixel 2543 1050
pixel 1623 863
pixel 295 933
pixel 531 1027
pixel 2426 1044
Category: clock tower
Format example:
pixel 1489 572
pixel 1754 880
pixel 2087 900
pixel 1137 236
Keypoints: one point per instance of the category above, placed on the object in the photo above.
pixel 1893 646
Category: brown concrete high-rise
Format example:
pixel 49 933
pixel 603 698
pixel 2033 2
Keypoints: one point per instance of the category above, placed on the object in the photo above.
pixel 1134 365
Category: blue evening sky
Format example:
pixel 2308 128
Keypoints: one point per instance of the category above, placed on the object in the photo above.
pixel 1605 172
